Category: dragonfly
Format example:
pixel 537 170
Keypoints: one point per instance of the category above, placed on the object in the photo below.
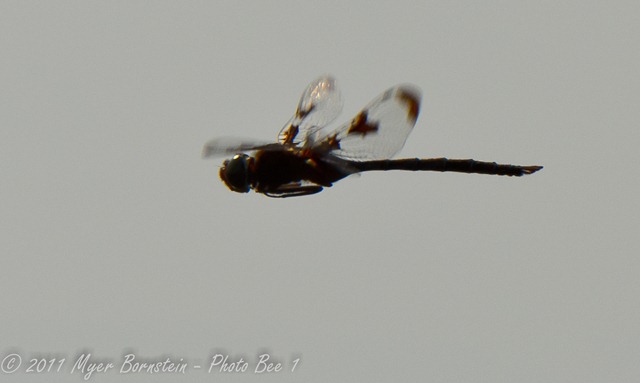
pixel 308 157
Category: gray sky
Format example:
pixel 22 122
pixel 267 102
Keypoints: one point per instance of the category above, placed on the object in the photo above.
pixel 117 237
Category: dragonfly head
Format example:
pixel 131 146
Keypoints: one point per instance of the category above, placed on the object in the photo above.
pixel 235 173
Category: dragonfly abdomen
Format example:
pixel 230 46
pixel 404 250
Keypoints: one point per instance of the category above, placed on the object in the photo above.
pixel 447 165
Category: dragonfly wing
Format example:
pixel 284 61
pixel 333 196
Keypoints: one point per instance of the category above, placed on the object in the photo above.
pixel 319 105
pixel 224 146
pixel 380 130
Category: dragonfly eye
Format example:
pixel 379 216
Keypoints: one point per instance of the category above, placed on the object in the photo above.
pixel 235 173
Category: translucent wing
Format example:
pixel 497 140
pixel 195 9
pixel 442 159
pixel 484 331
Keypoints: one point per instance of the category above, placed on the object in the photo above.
pixel 379 131
pixel 320 104
pixel 225 146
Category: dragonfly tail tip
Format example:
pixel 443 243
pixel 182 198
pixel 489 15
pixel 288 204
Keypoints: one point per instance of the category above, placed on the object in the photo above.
pixel 531 169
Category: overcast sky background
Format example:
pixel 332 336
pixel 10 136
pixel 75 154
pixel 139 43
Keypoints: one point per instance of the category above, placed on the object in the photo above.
pixel 116 236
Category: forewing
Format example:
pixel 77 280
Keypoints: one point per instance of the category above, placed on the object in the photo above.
pixel 319 105
pixel 379 131
pixel 224 146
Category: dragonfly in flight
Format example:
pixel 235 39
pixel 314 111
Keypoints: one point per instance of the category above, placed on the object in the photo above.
pixel 307 157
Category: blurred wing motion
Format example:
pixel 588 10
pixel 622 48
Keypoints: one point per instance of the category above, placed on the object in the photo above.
pixel 224 146
pixel 319 105
pixel 380 130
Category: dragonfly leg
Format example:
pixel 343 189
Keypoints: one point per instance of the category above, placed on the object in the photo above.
pixel 293 191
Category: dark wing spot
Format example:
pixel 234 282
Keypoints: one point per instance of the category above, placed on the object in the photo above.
pixel 360 125
pixel 304 113
pixel 412 100
pixel 290 134
pixel 328 144
pixel 333 142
